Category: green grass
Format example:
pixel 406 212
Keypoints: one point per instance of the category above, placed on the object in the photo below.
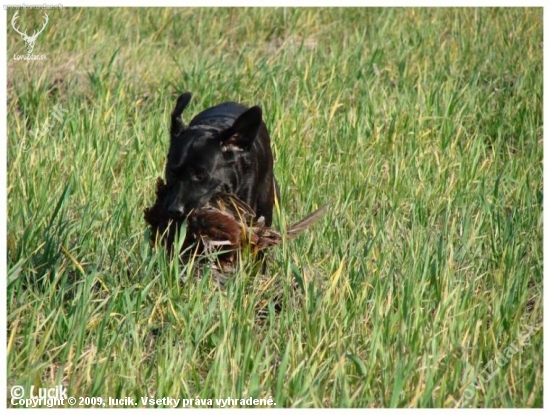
pixel 421 127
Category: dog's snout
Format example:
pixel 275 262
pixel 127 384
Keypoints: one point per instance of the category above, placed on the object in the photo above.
pixel 176 209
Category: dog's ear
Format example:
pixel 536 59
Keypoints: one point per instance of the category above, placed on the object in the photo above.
pixel 177 125
pixel 241 135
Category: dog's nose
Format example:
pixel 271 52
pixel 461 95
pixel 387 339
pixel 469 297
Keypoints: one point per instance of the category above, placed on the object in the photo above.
pixel 176 209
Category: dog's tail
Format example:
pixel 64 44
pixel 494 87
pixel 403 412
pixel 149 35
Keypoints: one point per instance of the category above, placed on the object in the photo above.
pixel 299 227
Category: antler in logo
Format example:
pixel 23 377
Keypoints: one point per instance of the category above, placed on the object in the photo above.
pixel 29 40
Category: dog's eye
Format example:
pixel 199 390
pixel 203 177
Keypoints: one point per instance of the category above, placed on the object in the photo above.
pixel 199 176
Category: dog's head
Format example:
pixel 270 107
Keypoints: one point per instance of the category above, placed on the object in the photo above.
pixel 206 159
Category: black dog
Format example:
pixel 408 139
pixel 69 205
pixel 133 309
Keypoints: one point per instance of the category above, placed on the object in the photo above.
pixel 225 148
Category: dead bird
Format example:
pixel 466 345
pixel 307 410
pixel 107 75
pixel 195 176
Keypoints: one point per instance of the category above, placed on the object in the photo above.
pixel 228 221
pixel 225 226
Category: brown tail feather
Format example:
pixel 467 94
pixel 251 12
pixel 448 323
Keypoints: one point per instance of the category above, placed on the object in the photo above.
pixel 299 227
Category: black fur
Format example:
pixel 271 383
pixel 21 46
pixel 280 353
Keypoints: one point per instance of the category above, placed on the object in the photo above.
pixel 225 148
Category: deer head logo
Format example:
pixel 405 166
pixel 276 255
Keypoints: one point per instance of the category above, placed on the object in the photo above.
pixel 29 40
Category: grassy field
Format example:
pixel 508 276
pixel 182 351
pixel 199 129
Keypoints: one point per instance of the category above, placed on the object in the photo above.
pixel 422 287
